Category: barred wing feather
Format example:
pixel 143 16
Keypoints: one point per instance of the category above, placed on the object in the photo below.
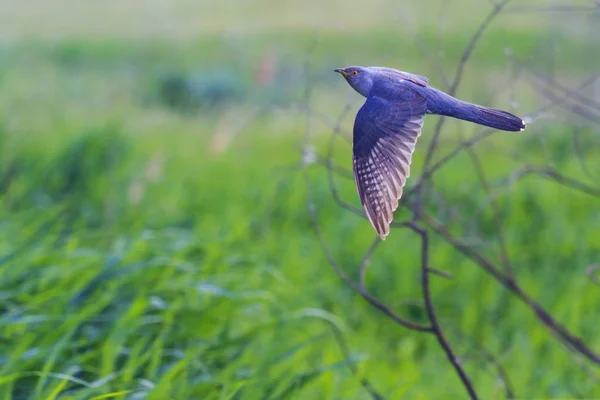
pixel 385 136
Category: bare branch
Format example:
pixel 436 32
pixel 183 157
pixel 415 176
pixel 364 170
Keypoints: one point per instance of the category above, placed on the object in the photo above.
pixel 363 292
pixel 576 103
pixel 364 382
pixel 490 358
pixel 560 331
pixel 437 330
pixel 459 74
pixel 439 272
pixel 551 174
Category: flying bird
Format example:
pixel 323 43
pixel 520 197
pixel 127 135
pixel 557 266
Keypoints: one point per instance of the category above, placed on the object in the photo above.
pixel 386 129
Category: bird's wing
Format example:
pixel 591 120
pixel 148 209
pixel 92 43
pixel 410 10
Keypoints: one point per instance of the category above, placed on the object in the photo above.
pixel 385 135
pixel 418 79
pixel 407 76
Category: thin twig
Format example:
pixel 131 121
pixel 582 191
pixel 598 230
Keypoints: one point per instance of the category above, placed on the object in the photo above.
pixel 363 292
pixel 489 357
pixel 364 382
pixel 437 330
pixel 562 333
pixel 459 74
pixel 553 175
pixel 578 104
pixel 504 258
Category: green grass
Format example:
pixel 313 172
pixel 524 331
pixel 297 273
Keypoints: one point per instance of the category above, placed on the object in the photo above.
pixel 141 257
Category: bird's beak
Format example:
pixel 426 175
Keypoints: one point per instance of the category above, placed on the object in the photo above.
pixel 341 71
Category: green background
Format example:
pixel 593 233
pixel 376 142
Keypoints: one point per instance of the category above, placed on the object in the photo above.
pixel 154 234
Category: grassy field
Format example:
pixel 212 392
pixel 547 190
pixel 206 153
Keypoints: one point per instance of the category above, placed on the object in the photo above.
pixel 154 234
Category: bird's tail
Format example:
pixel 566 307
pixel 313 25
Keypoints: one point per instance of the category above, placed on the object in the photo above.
pixel 497 119
pixel 491 117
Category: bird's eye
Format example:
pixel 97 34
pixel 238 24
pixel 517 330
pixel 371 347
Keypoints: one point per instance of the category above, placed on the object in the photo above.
pixel 354 72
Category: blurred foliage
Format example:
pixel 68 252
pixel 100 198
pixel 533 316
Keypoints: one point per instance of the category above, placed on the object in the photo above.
pixel 208 90
pixel 154 239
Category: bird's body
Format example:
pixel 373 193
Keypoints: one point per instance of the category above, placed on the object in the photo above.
pixel 386 129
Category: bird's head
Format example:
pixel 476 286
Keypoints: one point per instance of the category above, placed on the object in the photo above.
pixel 360 78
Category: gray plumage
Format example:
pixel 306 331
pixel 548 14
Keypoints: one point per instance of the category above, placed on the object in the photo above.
pixel 387 127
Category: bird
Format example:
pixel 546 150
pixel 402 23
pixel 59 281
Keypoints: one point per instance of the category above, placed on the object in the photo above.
pixel 386 129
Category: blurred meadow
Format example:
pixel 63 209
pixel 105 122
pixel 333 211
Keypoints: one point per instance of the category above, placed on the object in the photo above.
pixel 155 240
